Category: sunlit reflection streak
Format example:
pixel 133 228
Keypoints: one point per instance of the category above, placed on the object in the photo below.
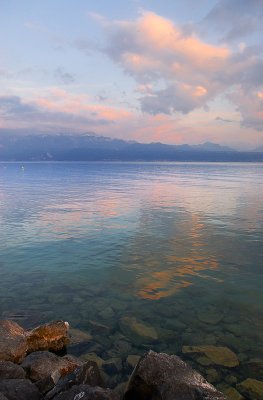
pixel 159 278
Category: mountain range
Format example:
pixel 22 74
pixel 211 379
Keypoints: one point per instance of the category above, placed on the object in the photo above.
pixel 91 147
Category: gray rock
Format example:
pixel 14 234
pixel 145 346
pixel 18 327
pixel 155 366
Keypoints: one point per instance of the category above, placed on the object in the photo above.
pixel 2 397
pixel 86 392
pixel 19 389
pixel 160 376
pixel 43 364
pixel 13 344
pixel 9 370
pixel 88 374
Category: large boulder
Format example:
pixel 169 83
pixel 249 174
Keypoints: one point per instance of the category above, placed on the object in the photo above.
pixel 9 370
pixel 13 343
pixel 43 364
pixel 161 376
pixel 86 392
pixel 19 389
pixel 87 374
pixel 52 336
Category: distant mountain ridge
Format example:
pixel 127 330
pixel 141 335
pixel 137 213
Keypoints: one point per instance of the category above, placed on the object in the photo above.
pixel 91 147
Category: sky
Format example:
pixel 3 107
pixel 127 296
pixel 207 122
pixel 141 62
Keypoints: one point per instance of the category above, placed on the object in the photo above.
pixel 152 71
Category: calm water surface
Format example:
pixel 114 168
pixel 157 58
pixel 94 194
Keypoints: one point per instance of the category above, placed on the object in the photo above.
pixel 174 247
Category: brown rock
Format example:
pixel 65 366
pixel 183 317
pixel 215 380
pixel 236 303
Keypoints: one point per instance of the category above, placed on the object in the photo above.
pixel 19 389
pixel 92 357
pixel 130 326
pixel 88 374
pixel 160 376
pixel 76 336
pixel 9 370
pixel 43 364
pixel 13 344
pixel 132 360
pixel 52 336
pixel 233 394
pixel 251 388
pixel 218 355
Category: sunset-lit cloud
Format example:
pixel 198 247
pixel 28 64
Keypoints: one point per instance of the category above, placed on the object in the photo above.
pixel 177 73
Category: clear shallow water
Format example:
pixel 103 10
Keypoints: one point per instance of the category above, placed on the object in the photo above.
pixel 177 246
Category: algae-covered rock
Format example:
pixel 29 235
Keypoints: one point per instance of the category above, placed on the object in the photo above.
pixel 218 355
pixel 92 357
pixel 130 326
pixel 13 343
pixel 210 316
pixel 132 360
pixel 251 388
pixel 77 336
pixel 212 375
pixel 233 394
pixel 160 376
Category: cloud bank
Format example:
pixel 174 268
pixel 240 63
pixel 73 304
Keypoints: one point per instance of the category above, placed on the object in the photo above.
pixel 178 72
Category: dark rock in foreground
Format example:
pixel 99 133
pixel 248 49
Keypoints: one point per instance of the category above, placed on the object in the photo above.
pixel 160 376
pixel 19 389
pixel 86 392
pixel 9 370
pixel 88 374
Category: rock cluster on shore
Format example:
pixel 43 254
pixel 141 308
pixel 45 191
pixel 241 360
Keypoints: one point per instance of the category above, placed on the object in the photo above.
pixel 30 368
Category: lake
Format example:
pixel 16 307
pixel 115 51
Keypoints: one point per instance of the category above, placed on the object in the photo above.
pixel 139 255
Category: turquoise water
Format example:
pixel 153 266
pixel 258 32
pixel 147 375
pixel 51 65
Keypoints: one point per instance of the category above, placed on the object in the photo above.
pixel 178 247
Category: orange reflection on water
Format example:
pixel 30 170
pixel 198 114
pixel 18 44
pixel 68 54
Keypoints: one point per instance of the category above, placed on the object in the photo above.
pixel 179 270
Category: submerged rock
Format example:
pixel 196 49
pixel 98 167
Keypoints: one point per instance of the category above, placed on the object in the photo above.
pixel 13 343
pixel 130 326
pixel 77 336
pixel 112 365
pixel 218 355
pixel 233 394
pixel 19 389
pixel 92 357
pixel 9 370
pixel 132 360
pixel 210 316
pixel 160 376
pixel 251 388
pixel 52 336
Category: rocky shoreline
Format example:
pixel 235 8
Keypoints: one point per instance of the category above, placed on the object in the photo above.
pixel 34 365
